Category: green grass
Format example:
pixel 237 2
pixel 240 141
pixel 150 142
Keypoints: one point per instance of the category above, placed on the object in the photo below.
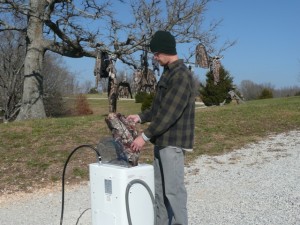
pixel 32 153
pixel 220 129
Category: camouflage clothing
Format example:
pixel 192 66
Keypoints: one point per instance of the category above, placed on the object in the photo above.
pixel 112 87
pixel 173 109
pixel 202 59
pixel 215 67
pixel 102 62
pixel 123 132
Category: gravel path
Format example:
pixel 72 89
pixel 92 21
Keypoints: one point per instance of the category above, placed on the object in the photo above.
pixel 258 184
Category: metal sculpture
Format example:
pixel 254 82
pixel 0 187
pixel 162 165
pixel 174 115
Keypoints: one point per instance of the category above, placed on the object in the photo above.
pixel 124 89
pixel 235 96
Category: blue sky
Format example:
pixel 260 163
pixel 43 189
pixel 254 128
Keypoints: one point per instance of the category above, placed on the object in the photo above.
pixel 268 42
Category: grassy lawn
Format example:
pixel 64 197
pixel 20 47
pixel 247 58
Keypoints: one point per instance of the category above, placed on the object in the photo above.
pixel 32 153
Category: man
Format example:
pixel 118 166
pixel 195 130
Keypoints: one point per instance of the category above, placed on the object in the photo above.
pixel 171 130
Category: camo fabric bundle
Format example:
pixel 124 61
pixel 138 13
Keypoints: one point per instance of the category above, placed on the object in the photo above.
pixel 216 64
pixel 202 59
pixel 123 132
pixel 101 64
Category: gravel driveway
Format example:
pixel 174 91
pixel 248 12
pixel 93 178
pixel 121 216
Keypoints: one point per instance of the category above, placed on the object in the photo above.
pixel 258 184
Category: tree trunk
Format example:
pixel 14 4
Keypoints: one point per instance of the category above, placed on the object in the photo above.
pixel 32 106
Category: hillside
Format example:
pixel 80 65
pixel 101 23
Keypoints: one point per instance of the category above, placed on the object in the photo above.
pixel 33 153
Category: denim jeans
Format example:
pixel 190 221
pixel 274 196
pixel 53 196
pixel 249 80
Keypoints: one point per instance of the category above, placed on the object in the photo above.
pixel 170 192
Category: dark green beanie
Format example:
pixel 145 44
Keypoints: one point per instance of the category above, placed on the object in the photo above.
pixel 163 42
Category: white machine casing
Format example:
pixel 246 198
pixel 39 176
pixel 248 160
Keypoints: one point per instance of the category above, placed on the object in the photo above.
pixel 108 187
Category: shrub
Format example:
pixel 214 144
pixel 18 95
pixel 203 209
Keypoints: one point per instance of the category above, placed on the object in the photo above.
pixel 140 96
pixel 147 101
pixel 82 106
pixel 266 93
pixel 93 91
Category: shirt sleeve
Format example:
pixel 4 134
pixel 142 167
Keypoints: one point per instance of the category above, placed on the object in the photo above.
pixel 146 116
pixel 145 137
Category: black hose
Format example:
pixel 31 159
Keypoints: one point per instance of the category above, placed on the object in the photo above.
pixel 129 185
pixel 63 175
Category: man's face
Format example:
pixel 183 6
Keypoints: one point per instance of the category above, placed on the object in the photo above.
pixel 162 58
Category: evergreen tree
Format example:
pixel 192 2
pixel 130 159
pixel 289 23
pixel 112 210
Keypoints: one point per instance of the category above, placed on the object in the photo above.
pixel 214 94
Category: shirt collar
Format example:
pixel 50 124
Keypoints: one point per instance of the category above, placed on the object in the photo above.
pixel 173 64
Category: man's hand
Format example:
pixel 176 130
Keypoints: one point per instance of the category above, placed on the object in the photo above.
pixel 135 118
pixel 137 144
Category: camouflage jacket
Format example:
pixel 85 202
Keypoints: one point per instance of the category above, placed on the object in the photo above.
pixel 123 132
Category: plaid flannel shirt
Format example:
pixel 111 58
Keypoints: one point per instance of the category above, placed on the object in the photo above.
pixel 173 109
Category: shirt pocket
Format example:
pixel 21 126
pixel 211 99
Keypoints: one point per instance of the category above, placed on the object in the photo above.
pixel 162 89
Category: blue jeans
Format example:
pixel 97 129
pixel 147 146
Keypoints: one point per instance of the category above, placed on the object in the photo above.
pixel 170 192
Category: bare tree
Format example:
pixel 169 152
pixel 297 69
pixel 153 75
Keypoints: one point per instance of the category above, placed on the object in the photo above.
pixel 58 82
pixel 86 86
pixel 251 90
pixel 287 91
pixel 103 85
pixel 61 26
pixel 12 53
pixel 57 78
